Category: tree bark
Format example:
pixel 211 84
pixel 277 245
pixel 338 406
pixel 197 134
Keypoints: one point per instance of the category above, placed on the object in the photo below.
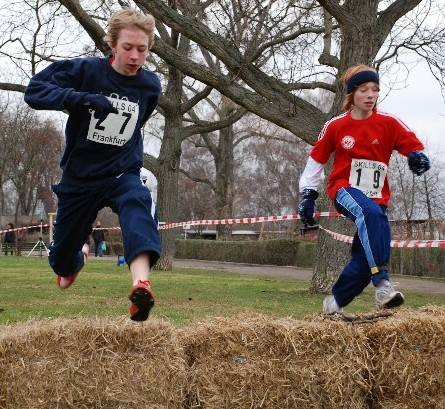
pixel 224 179
pixel 168 165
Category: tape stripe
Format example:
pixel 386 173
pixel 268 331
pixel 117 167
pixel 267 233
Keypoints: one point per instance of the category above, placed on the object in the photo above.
pixel 262 219
pixel 394 243
pixel 245 220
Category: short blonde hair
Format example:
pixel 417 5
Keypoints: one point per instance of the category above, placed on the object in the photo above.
pixel 128 17
pixel 349 99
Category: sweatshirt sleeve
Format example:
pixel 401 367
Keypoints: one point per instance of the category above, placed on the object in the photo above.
pixel 312 175
pixel 53 88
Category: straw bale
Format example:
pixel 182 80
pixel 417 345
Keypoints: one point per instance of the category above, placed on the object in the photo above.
pixel 257 362
pixel 91 364
pixel 247 361
pixel 408 359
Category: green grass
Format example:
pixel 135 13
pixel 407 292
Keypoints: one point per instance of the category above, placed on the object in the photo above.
pixel 28 291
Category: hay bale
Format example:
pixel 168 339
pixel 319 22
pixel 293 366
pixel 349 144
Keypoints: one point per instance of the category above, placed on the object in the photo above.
pixel 257 362
pixel 408 359
pixel 87 363
pixel 248 361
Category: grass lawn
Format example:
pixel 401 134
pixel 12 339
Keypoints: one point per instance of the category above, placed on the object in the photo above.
pixel 28 291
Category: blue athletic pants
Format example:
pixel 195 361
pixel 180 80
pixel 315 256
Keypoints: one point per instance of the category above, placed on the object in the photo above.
pixel 371 246
pixel 78 207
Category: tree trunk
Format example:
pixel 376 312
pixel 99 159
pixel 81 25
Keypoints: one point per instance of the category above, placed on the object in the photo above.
pixel 331 254
pixel 167 199
pixel 168 168
pixel 224 163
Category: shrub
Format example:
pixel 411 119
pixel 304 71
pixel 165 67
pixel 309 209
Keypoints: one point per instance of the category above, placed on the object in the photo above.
pixel 279 252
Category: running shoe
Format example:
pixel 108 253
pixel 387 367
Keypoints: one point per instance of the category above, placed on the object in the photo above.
pixel 66 282
pixel 142 301
pixel 386 296
pixel 330 306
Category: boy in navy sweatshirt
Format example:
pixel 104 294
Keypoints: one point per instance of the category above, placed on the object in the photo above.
pixel 108 101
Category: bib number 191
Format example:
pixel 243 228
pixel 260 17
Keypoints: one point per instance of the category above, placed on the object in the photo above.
pixel 368 176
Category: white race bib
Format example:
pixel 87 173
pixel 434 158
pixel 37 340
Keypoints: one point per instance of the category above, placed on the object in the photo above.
pixel 368 176
pixel 115 129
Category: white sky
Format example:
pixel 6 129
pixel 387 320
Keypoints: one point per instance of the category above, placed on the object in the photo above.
pixel 421 106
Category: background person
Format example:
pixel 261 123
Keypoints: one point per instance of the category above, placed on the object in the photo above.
pixel 98 239
pixel 108 101
pixel 362 140
pixel 9 240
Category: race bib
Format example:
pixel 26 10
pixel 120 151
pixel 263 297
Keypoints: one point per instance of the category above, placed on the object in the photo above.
pixel 115 129
pixel 368 176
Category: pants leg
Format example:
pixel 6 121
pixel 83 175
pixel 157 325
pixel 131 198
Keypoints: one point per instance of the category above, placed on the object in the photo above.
pixel 371 246
pixel 9 247
pixel 354 278
pixel 138 217
pixel 77 209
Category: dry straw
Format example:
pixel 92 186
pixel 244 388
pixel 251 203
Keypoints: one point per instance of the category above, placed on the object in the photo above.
pixel 91 364
pixel 248 361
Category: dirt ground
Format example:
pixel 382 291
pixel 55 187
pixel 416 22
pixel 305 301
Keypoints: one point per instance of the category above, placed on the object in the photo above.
pixel 424 285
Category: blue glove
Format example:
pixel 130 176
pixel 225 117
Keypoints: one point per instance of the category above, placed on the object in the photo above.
pixel 100 105
pixel 307 206
pixel 418 162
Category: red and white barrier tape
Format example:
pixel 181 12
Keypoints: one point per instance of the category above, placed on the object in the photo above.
pixel 37 226
pixel 337 236
pixel 394 243
pixel 262 219
pixel 244 220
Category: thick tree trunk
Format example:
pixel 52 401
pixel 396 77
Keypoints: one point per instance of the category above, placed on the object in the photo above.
pixel 168 168
pixel 167 199
pixel 331 255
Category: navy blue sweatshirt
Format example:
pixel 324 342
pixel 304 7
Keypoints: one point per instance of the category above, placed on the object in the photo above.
pixel 97 149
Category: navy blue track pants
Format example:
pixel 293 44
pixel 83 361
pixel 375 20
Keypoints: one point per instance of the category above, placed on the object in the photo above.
pixel 78 207
pixel 371 246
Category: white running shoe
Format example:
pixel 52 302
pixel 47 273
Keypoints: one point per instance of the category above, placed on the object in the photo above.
pixel 330 306
pixel 386 296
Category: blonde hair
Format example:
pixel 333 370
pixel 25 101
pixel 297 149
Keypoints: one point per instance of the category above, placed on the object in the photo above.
pixel 128 17
pixel 349 98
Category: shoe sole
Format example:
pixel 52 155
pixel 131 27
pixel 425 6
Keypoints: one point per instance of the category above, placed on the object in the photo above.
pixel 396 301
pixel 143 299
pixel 331 314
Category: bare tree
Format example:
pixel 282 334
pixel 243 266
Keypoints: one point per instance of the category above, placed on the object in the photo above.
pixel 221 146
pixel 417 199
pixel 33 148
pixel 307 45
pixel 347 33
pixel 174 104
pixel 273 180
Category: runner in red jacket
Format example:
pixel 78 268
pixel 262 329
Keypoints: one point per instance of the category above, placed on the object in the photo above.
pixel 362 140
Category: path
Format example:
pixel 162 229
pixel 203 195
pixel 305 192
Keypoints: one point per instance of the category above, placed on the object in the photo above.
pixel 423 285
pixel 419 284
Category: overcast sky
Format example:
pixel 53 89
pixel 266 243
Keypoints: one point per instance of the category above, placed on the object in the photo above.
pixel 421 106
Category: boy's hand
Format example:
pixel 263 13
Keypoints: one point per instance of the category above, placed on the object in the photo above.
pixel 100 105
